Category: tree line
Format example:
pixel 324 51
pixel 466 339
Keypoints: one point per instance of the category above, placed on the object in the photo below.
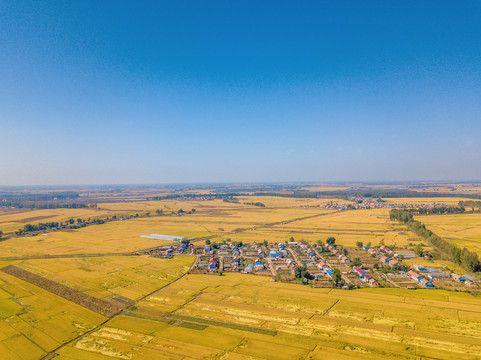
pixel 255 204
pixel 367 193
pixel 193 196
pixel 467 259
pixel 71 224
pixel 470 203
pixel 50 196
pixel 439 210
pixel 41 205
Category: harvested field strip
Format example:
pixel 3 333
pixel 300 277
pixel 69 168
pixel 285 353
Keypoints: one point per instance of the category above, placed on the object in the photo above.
pixel 187 324
pixel 223 324
pixel 194 320
pixel 100 306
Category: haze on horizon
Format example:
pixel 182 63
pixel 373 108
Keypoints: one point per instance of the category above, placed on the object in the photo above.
pixel 186 91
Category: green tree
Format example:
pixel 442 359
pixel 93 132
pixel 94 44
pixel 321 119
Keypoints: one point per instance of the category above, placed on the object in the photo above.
pixel 336 277
pixel 207 242
pixel 301 273
pixel 419 250
pixel 359 244
pixel 331 240
pixel 356 262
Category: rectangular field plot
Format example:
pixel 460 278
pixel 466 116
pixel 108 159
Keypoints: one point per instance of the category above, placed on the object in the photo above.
pixel 130 277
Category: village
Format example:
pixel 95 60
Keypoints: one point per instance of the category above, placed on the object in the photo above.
pixel 320 265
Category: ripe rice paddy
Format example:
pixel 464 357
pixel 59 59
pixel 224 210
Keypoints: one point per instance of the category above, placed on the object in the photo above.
pixel 347 227
pixel 464 230
pixel 233 316
pixel 131 277
pixel 308 323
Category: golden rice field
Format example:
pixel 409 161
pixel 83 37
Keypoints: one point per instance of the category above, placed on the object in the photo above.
pixel 464 230
pixel 275 201
pixel 233 316
pixel 214 218
pixel 131 277
pixel 347 227
pixel 114 237
pixel 33 321
pixel 307 323
pixel 14 219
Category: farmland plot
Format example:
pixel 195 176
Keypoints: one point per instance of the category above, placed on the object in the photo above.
pixel 308 323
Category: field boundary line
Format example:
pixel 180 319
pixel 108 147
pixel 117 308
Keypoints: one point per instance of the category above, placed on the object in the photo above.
pixel 330 307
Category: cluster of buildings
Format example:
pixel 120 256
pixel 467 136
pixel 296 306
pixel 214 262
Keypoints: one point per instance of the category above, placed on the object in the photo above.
pixel 434 275
pixel 258 249
pixel 363 275
pixel 420 279
pixel 213 264
pixel 168 251
pixel 326 270
pixel 381 253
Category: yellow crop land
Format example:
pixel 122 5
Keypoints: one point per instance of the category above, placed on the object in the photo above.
pixel 14 219
pixel 131 277
pixel 464 230
pixel 34 321
pixel 275 201
pixel 212 218
pixel 114 237
pixel 306 323
pixel 347 227
pixel 233 316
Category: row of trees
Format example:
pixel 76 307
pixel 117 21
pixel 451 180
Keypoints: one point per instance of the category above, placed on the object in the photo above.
pixel 49 196
pixel 193 196
pixel 40 205
pixel 255 204
pixel 440 210
pixel 71 223
pixel 470 203
pixel 467 259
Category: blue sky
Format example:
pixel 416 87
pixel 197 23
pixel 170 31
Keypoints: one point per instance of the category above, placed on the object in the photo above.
pixel 98 92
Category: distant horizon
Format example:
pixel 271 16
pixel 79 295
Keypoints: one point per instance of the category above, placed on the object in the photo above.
pixel 313 183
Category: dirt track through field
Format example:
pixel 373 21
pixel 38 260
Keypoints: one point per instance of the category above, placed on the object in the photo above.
pixel 98 305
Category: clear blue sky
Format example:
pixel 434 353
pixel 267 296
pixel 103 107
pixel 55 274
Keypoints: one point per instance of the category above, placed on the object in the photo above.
pixel 98 92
